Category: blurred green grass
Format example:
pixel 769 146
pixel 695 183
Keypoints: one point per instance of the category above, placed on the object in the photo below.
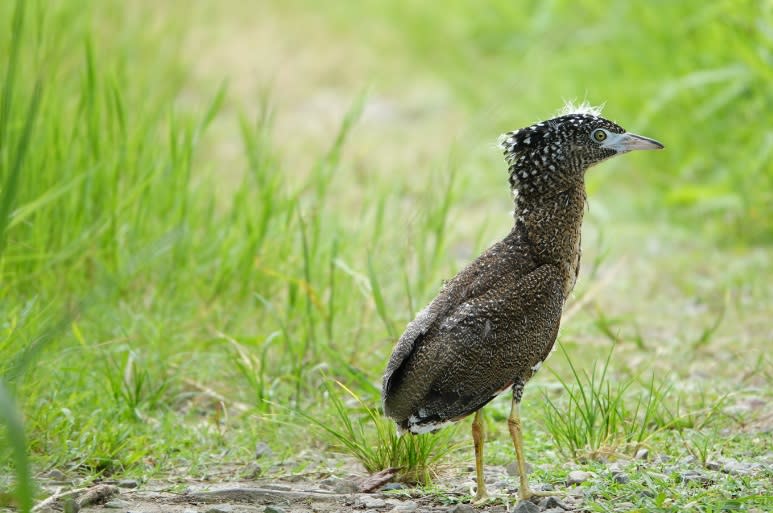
pixel 178 236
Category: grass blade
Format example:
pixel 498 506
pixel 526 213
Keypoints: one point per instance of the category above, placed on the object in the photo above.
pixel 12 179
pixel 11 418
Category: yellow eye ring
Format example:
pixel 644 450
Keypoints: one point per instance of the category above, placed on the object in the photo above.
pixel 599 135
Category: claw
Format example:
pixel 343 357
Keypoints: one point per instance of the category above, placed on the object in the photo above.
pixel 480 499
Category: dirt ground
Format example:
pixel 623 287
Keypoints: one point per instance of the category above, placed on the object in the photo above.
pixel 298 494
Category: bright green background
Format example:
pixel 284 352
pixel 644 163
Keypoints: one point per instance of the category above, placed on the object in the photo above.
pixel 195 244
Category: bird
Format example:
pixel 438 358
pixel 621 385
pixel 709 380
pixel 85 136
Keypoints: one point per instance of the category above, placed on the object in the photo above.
pixel 491 326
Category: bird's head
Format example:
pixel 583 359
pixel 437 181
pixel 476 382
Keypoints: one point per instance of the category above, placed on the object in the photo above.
pixel 553 155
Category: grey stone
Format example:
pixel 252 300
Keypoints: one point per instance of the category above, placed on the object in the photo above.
pixel 713 465
pixel 128 483
pixel 642 454
pixel 393 486
pixel 273 509
pixel 526 507
pixel 738 468
pixel 370 502
pixel 689 476
pixel 55 475
pixel 621 477
pixel 405 507
pixel 499 485
pixel 745 405
pixel 262 449
pixel 577 477
pixel 346 486
pixel 461 508
pixel 552 503
pixel 117 504
pixel 512 469
pixel 221 508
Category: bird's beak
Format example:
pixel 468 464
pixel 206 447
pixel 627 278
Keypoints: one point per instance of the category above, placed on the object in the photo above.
pixel 623 143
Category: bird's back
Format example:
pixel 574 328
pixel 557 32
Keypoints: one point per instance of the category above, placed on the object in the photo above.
pixel 485 330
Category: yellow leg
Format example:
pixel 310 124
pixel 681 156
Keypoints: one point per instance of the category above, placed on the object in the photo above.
pixel 477 439
pixel 514 425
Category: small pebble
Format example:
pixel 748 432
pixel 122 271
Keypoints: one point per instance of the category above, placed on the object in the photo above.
pixel 738 468
pixel 55 475
pixel 642 454
pixel 221 508
pixel 372 502
pixel 689 476
pixel 577 477
pixel 512 469
pixel 526 507
pixel 393 486
pixel 552 502
pixel 262 449
pixel 273 509
pixel 621 477
pixel 461 508
pixel 117 504
pixel 405 507
pixel 128 483
pixel 346 486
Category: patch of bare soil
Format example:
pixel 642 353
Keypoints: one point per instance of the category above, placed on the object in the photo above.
pixel 299 494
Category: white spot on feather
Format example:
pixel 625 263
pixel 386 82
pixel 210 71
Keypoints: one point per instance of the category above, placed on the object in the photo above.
pixel 429 427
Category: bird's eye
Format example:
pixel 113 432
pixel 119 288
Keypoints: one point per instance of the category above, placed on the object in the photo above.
pixel 599 135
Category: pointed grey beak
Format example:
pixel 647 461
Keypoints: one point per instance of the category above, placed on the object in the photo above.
pixel 623 143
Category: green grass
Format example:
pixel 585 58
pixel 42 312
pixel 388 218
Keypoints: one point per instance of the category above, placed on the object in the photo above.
pixel 201 231
pixel 361 431
pixel 599 417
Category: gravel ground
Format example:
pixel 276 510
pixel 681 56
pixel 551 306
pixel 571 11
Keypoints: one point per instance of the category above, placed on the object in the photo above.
pixel 297 495
pixel 324 492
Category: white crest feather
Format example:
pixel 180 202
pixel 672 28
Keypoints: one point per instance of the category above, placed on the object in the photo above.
pixel 580 108
pixel 504 140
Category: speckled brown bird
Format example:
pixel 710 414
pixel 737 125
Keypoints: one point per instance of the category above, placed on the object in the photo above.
pixel 492 325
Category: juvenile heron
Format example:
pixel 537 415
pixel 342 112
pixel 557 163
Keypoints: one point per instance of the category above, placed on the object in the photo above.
pixel 492 325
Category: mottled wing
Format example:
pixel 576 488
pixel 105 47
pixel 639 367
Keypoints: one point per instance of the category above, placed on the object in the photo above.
pixel 467 356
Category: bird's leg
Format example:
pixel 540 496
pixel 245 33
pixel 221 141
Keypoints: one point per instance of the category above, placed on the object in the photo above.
pixel 514 425
pixel 477 439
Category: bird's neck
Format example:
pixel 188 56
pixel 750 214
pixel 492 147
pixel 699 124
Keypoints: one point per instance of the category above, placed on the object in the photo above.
pixel 551 225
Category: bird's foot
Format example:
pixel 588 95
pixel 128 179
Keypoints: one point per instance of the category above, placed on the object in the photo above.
pixel 481 497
